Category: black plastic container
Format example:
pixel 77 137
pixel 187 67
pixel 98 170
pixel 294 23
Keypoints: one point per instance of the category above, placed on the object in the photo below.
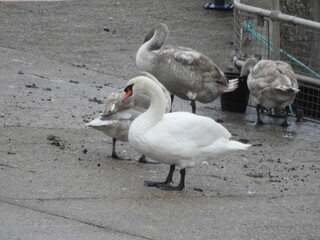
pixel 237 100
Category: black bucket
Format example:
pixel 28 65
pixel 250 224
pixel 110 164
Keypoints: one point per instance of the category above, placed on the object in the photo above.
pixel 237 100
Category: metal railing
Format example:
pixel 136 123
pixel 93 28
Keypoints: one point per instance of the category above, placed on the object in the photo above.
pixel 273 35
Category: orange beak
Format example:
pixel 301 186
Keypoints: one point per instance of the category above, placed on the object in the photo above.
pixel 126 95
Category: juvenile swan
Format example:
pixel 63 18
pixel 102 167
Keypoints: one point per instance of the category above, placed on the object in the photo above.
pixel 117 115
pixel 186 73
pixel 179 139
pixel 272 84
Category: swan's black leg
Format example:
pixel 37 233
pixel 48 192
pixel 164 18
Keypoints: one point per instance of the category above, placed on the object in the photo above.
pixel 177 188
pixel 172 97
pixel 166 182
pixel 114 152
pixel 193 106
pixel 259 121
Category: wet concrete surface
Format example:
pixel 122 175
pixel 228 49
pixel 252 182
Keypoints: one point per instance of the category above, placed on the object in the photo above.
pixel 59 61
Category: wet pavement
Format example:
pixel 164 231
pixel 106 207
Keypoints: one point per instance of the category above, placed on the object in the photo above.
pixel 59 61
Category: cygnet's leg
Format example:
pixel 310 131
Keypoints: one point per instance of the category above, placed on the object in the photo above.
pixel 259 121
pixel 285 122
pixel 177 188
pixel 172 97
pixel 193 106
pixel 114 152
pixel 166 182
pixel 299 115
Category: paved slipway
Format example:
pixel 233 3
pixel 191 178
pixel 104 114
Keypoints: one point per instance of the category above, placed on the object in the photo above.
pixel 59 61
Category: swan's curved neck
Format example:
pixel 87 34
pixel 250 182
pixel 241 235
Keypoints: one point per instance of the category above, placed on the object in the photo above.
pixel 157 106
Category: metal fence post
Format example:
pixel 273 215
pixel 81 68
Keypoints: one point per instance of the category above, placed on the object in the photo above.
pixel 275 29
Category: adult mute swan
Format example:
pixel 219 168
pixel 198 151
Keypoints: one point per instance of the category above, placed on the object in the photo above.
pixel 117 115
pixel 186 73
pixel 179 139
pixel 272 84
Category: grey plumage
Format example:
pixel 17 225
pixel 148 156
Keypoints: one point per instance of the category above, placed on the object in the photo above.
pixel 186 73
pixel 272 84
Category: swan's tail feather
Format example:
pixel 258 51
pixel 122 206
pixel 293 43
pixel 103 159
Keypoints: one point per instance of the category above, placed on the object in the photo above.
pixel 224 145
pixel 238 145
pixel 233 85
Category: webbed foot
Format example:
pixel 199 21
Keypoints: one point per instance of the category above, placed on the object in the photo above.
pixel 119 157
pixel 144 159
pixel 170 187
pixel 155 184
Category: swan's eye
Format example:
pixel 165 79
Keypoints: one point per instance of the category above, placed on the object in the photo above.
pixel 128 89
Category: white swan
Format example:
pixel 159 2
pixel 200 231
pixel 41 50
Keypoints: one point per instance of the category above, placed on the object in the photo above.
pixel 179 139
pixel 272 84
pixel 186 73
pixel 117 115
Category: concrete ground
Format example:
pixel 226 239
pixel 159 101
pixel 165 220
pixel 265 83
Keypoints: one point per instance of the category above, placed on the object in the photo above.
pixel 59 61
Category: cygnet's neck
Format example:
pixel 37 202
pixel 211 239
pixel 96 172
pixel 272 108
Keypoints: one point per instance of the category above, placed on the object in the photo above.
pixel 154 41
pixel 248 66
pixel 157 37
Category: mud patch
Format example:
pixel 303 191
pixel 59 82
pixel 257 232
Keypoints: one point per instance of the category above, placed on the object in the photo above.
pixel 56 141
